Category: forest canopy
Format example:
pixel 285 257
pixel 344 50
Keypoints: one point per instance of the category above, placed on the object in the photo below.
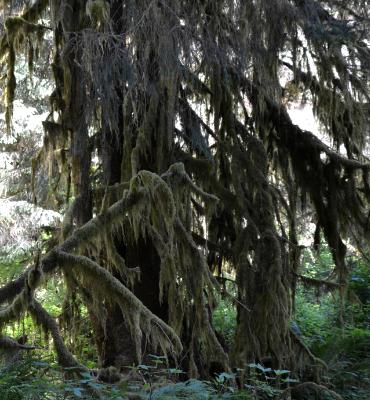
pixel 169 151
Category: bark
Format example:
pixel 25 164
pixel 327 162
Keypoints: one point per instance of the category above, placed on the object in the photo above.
pixel 116 347
pixel 152 81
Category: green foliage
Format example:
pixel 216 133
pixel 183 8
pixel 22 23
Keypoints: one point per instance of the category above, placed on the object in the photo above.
pixel 318 265
pixel 360 280
pixel 160 382
pixel 34 379
pixel 347 355
pixel 224 319
pixel 198 390
pixel 267 382
pixel 9 268
pixel 192 389
pixel 354 344
pixel 18 382
pixel 315 320
pixel 249 156
pixel 317 310
pixel 345 348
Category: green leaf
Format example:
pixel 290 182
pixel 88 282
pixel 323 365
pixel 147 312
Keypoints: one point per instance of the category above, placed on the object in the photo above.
pixel 77 392
pixel 281 371
pixel 144 367
pixel 157 357
pixel 227 375
pixel 290 380
pixel 95 385
pixel 40 363
pixel 260 367
pixel 175 371
pixel 86 375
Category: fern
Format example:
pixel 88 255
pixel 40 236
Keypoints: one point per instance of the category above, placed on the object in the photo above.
pixel 192 389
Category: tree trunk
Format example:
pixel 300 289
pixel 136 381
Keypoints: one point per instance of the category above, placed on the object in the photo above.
pixel 117 347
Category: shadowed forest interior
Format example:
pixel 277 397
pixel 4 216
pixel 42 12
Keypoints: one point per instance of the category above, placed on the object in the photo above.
pixel 169 227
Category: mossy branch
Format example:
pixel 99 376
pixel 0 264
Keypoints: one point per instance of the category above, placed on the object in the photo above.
pixel 47 322
pixel 287 131
pixel 111 287
pixel 15 26
pixel 319 283
pixel 32 279
pixel 7 342
pixel 140 318
pixel 79 239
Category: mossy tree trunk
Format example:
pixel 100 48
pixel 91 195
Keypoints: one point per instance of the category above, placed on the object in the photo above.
pixel 170 122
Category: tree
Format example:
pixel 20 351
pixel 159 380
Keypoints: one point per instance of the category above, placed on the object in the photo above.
pixel 170 143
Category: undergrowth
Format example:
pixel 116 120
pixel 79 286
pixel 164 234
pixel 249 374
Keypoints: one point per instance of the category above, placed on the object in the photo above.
pixel 344 348
pixel 35 379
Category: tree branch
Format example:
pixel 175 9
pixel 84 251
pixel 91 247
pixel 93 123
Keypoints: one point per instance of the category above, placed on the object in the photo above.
pixel 131 306
pixel 42 317
pixel 80 237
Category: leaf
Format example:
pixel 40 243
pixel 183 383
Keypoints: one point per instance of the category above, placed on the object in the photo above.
pixel 72 368
pixel 192 389
pixel 175 371
pixel 260 367
pixel 290 380
pixel 281 371
pixel 40 363
pixel 84 381
pixel 157 357
pixel 95 385
pixel 227 375
pixel 77 392
pixel 144 367
pixel 86 375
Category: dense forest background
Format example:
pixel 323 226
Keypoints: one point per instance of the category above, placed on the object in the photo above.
pixel 167 229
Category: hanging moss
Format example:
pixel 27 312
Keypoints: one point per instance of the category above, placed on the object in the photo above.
pixel 98 11
pixel 10 88
pixel 41 317
pixel 139 317
pixel 183 110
